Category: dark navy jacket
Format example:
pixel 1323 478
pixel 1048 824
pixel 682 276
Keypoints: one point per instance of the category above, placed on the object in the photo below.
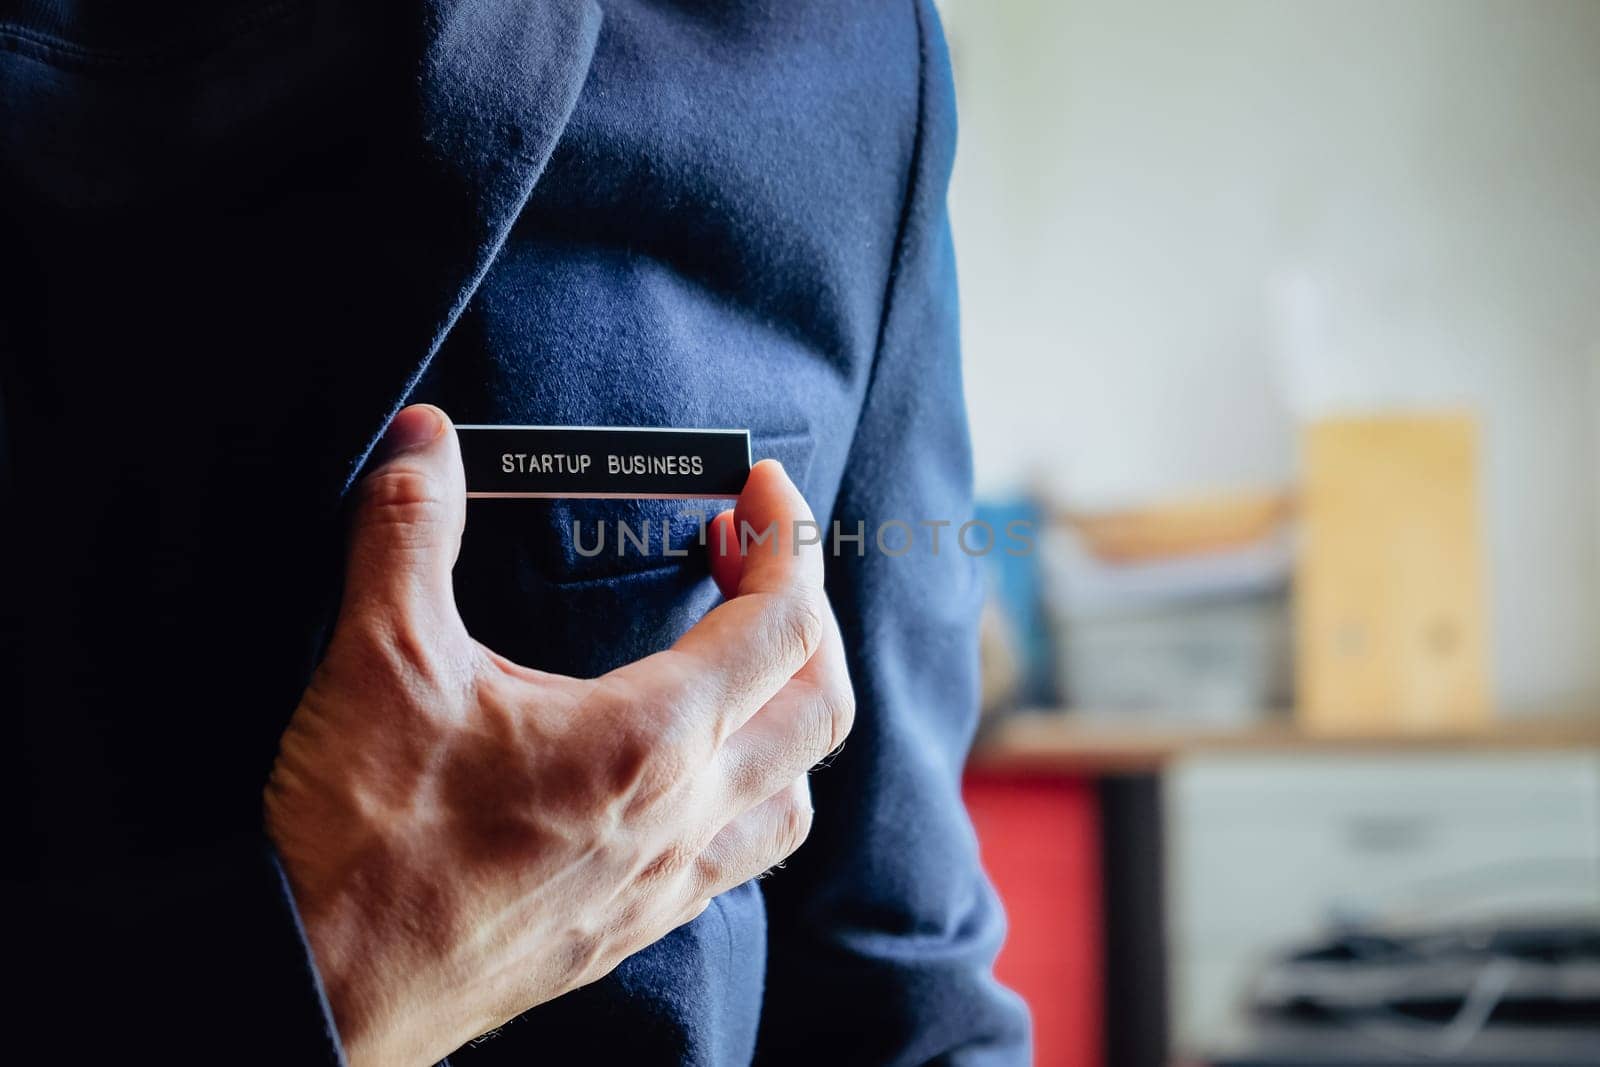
pixel 237 237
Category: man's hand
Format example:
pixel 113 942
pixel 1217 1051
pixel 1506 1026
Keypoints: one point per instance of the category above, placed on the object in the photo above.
pixel 466 837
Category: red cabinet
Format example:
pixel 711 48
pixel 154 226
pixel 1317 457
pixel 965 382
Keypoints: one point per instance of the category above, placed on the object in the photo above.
pixel 1040 841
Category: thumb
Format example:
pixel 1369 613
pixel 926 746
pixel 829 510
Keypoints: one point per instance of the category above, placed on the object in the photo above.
pixel 410 509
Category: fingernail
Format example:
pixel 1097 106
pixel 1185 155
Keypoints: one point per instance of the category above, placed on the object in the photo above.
pixel 414 427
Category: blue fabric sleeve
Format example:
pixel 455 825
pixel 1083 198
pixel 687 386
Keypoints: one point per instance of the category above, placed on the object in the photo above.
pixel 200 960
pixel 883 927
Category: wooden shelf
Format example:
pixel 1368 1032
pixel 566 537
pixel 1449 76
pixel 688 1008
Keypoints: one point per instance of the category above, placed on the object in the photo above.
pixel 1100 743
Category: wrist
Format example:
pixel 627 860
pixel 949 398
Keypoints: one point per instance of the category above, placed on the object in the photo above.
pixel 383 1018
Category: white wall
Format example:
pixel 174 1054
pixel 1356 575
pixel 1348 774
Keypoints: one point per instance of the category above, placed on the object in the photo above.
pixel 1185 223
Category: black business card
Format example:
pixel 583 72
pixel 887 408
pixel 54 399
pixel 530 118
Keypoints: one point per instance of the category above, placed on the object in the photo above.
pixel 608 462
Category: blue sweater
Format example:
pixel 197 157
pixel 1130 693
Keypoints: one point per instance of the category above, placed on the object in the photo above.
pixel 237 237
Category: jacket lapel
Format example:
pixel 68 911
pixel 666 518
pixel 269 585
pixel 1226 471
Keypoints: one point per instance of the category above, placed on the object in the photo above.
pixel 496 86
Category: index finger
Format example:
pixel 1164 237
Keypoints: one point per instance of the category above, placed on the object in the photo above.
pixel 747 648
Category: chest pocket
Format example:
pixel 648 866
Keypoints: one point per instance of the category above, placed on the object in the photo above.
pixel 527 591
pixel 532 585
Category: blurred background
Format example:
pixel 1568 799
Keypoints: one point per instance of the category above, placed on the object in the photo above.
pixel 1282 323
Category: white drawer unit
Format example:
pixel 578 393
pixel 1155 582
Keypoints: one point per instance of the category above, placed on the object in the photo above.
pixel 1269 851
